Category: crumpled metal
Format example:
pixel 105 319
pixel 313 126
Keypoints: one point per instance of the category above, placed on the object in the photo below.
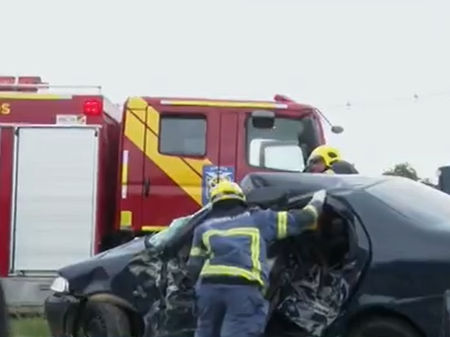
pixel 314 301
pixel 310 296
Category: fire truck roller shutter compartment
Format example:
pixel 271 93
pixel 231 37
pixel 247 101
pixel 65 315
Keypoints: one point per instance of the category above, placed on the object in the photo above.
pixel 54 205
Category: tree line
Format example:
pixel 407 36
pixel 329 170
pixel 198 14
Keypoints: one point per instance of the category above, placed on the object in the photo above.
pixel 406 170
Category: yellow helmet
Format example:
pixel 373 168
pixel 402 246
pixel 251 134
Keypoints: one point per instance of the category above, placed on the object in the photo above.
pixel 226 190
pixel 327 153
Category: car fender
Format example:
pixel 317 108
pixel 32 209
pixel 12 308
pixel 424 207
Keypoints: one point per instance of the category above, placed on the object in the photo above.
pixel 113 299
pixel 377 309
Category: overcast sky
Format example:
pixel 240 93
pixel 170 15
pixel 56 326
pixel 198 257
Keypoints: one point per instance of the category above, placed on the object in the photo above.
pixel 374 54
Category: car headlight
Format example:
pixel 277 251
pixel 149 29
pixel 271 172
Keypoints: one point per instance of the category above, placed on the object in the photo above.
pixel 60 285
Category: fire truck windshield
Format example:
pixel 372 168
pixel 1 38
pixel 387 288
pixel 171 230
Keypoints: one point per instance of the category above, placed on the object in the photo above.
pixel 281 148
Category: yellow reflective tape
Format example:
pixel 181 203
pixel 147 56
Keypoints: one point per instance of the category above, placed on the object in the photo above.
pixel 126 219
pixel 125 168
pixel 255 252
pixel 153 228
pixel 33 96
pixel 281 225
pixel 214 270
pixel 174 167
pixel 195 251
pixel 312 210
pixel 125 158
pixel 226 104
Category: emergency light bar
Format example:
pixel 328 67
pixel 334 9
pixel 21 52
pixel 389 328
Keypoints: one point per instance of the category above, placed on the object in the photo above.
pixel 34 83
pixel 21 83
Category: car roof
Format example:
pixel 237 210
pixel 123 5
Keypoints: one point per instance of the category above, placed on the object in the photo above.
pixel 309 181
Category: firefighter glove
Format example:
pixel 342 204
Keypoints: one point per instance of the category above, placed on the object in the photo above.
pixel 318 200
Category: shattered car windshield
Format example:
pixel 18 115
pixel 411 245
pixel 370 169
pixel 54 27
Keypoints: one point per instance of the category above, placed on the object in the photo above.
pixel 422 204
pixel 174 229
pixel 169 233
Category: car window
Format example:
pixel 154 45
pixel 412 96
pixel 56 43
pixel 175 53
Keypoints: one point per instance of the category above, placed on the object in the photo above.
pixel 168 234
pixel 176 227
pixel 277 148
pixel 183 136
pixel 424 205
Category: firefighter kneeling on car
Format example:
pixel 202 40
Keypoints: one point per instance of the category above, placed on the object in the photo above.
pixel 327 159
pixel 228 260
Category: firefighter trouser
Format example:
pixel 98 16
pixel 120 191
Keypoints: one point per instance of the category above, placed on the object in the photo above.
pixel 230 311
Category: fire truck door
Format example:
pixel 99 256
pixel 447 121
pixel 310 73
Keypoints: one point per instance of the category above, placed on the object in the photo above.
pixel 228 144
pixel 132 166
pixel 182 153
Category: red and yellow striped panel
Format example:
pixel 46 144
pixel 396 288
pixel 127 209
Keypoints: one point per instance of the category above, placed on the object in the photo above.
pixel 186 173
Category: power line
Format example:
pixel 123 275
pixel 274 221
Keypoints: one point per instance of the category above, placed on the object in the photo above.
pixel 415 97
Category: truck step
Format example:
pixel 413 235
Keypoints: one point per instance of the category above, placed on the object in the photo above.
pixel 26 293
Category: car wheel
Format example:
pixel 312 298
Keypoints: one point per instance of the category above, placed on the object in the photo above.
pixel 105 320
pixel 383 327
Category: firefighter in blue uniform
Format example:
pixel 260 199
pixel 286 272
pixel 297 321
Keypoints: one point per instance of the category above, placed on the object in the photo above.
pixel 228 260
pixel 327 159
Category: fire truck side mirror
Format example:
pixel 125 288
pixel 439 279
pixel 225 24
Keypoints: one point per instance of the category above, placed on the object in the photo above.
pixel 263 119
pixel 337 129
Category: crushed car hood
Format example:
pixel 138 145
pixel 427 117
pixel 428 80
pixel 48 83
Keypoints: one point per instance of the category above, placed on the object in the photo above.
pixel 123 252
pixel 100 272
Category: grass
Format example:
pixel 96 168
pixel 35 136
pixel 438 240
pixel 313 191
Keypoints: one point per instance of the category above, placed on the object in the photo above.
pixel 29 327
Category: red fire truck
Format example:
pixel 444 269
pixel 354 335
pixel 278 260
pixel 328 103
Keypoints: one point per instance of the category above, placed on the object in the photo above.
pixel 78 174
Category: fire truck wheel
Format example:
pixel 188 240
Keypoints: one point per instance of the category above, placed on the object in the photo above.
pixel 384 326
pixel 104 319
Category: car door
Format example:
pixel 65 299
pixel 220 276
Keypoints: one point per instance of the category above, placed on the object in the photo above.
pixel 314 278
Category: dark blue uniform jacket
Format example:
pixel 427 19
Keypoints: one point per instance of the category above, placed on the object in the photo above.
pixel 233 245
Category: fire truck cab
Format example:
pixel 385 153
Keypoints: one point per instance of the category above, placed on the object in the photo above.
pixel 79 174
pixel 175 150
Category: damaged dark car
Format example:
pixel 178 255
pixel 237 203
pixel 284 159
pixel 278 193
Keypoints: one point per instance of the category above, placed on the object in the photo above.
pixel 378 266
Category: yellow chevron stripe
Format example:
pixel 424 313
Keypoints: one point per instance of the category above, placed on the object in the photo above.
pixel 153 228
pixel 153 124
pixel 174 167
pixel 138 106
